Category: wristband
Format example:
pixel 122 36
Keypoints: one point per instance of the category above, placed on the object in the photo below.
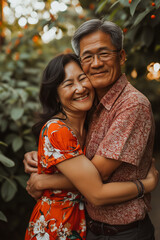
pixel 141 195
pixel 140 188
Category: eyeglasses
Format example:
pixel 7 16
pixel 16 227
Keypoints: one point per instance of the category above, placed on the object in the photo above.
pixel 102 56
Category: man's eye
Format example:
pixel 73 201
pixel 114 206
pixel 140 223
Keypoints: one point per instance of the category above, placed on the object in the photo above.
pixel 87 57
pixel 103 54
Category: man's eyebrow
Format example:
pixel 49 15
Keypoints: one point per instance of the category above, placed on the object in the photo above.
pixel 90 51
pixel 86 52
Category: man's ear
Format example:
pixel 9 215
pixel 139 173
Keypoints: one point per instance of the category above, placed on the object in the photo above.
pixel 122 57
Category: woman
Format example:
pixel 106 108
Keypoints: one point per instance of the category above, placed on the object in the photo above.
pixel 66 95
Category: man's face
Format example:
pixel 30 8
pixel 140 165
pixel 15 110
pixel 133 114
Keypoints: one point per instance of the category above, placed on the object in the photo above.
pixel 105 69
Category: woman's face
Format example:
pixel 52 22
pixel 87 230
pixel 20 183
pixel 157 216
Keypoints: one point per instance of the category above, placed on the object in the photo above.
pixel 76 93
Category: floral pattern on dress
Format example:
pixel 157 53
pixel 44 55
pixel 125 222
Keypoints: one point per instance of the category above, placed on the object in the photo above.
pixel 58 214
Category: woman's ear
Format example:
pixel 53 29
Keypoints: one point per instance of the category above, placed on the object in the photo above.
pixel 122 57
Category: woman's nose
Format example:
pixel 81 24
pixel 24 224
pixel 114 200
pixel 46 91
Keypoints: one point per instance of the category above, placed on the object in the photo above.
pixel 79 87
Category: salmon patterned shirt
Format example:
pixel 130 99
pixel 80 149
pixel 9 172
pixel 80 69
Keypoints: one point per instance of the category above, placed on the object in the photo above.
pixel 122 128
pixel 57 215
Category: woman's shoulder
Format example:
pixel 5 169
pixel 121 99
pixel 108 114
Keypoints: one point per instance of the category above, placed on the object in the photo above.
pixel 57 127
pixel 51 126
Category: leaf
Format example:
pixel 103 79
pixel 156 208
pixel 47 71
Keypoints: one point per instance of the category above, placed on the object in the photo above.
pixel 3 125
pixel 25 55
pixel 112 6
pixel 9 138
pixel 33 71
pixel 101 6
pixel 2 57
pixel 133 6
pixel 4 96
pixel 22 84
pixel 8 190
pixel 157 3
pixel 32 89
pixel 124 3
pixel 140 17
pixel 16 113
pixel 6 161
pixel 3 217
pixel 157 48
pixel 23 94
pixel 7 76
pixel 3 143
pixel 17 143
pixel 22 180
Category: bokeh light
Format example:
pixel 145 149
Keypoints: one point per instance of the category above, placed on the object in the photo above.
pixel 29 12
pixel 134 73
pixel 153 71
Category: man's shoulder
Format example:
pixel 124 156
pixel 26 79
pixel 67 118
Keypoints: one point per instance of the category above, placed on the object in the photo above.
pixel 134 96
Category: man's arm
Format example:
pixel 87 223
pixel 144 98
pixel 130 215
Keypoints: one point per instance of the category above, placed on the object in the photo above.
pixel 37 183
pixel 105 166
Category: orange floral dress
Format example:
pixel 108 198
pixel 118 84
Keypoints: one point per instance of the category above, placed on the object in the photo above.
pixel 58 214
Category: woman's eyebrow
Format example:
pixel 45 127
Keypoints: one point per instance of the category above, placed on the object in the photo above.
pixel 67 80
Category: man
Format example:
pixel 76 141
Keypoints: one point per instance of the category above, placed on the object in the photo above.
pixel 120 134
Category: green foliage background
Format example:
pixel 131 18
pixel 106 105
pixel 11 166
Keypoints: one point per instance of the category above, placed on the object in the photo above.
pixel 22 60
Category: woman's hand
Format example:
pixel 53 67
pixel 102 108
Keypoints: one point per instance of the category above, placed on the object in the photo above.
pixel 30 162
pixel 152 176
pixel 33 185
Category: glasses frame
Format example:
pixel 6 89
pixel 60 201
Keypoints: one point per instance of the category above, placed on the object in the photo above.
pixel 98 55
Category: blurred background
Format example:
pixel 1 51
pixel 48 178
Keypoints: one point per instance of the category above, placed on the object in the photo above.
pixel 31 33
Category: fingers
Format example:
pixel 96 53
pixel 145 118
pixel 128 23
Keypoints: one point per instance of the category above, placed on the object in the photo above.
pixel 30 162
pixel 28 168
pixel 31 158
pixel 35 156
pixel 36 194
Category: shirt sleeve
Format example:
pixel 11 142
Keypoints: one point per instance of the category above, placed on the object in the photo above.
pixel 128 134
pixel 60 144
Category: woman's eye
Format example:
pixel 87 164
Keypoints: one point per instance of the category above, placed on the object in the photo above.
pixel 82 78
pixel 69 84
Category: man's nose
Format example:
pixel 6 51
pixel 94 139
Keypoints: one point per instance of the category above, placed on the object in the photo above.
pixel 96 61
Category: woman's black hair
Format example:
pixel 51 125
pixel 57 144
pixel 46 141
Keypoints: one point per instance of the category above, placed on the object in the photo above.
pixel 52 77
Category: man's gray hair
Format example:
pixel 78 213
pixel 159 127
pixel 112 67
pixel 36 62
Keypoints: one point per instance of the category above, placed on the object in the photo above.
pixel 95 25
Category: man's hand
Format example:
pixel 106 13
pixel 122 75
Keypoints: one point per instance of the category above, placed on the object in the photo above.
pixel 30 162
pixel 32 186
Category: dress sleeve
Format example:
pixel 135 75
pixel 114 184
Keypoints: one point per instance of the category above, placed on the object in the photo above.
pixel 60 143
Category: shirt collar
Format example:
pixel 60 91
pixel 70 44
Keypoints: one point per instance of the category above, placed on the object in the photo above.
pixel 113 93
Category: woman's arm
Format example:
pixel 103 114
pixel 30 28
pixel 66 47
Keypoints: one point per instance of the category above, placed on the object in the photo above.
pixel 84 175
pixel 38 182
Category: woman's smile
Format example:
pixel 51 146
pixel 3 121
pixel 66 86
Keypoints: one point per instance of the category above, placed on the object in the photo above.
pixel 75 93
